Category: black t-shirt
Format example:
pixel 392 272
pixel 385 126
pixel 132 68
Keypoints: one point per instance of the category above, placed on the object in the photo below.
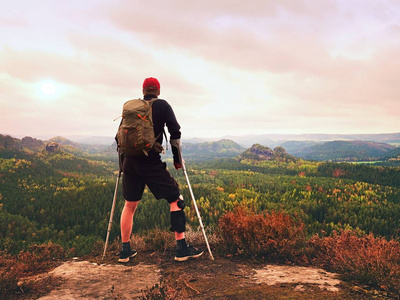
pixel 163 115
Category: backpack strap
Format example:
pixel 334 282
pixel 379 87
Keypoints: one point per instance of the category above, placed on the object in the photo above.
pixel 152 100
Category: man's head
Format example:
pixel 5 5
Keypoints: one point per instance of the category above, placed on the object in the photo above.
pixel 151 86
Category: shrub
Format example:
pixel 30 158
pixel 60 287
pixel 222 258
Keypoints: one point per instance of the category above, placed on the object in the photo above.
pixel 14 270
pixel 8 274
pixel 274 236
pixel 40 258
pixel 159 240
pixel 196 237
pixel 371 260
pixel 166 290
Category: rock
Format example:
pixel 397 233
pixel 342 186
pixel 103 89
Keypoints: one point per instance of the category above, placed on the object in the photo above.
pixel 31 143
pixel 273 275
pixel 52 147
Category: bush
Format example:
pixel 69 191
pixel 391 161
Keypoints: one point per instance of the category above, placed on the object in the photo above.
pixel 371 260
pixel 8 274
pixel 38 258
pixel 159 240
pixel 273 236
pixel 166 290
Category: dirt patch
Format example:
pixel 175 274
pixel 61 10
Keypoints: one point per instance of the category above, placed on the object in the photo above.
pixel 88 280
pixel 225 278
pixel 235 278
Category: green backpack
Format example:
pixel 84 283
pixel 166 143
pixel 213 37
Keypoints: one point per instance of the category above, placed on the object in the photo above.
pixel 135 134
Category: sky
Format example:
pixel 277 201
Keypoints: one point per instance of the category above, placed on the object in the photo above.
pixel 226 67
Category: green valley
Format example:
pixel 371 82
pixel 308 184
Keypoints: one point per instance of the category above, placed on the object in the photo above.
pixel 66 198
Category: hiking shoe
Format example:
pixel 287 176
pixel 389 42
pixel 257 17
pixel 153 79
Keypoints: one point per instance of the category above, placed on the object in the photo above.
pixel 125 255
pixel 189 252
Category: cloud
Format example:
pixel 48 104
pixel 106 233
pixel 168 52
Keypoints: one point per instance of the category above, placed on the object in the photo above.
pixel 225 66
pixel 258 35
pixel 269 36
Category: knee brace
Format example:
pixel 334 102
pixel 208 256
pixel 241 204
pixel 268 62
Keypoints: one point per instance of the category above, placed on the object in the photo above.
pixel 178 221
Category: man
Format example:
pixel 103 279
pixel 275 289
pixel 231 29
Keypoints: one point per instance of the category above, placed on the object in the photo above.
pixel 151 171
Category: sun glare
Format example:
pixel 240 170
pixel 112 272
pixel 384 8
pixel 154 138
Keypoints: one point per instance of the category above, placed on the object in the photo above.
pixel 48 88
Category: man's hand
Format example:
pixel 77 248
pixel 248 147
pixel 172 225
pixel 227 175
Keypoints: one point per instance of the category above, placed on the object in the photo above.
pixel 177 166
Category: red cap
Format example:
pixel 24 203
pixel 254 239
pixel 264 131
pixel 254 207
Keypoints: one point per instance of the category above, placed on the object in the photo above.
pixel 151 84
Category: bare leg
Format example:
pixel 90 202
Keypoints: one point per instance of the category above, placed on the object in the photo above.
pixel 127 220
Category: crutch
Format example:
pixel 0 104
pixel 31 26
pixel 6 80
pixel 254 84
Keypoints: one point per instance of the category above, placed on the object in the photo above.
pixel 196 209
pixel 113 207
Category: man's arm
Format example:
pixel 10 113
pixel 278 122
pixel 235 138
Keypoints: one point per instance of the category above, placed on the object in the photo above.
pixel 172 124
pixel 176 152
pixel 175 136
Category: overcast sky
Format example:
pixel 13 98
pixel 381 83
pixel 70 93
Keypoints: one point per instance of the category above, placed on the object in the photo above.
pixel 227 67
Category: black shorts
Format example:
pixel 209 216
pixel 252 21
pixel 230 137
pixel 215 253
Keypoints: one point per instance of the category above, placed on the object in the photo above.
pixel 150 171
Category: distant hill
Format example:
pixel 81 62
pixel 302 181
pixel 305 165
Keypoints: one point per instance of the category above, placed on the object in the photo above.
pixel 9 143
pixel 91 140
pixel 221 146
pixel 338 150
pixel 31 143
pixel 273 140
pixel 344 151
pixel 193 151
pixel 296 147
pixel 209 150
pixel 82 150
pixel 27 144
pixel 393 154
pixel 270 140
pixel 63 141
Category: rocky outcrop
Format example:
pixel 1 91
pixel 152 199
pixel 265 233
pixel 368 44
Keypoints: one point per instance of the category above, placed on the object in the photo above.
pixel 258 152
pixel 31 143
pixel 261 153
pixel 52 147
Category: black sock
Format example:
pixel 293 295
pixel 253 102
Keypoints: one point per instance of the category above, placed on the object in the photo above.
pixel 126 246
pixel 181 244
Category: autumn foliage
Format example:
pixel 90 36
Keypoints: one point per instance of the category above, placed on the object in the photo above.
pixel 37 259
pixel 371 260
pixel 277 237
pixel 274 236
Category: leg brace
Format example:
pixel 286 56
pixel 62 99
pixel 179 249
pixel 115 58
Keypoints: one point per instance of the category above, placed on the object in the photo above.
pixel 178 221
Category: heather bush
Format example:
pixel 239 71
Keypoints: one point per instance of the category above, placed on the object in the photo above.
pixel 371 260
pixel 165 290
pixel 195 236
pixel 38 258
pixel 8 274
pixel 274 236
pixel 159 240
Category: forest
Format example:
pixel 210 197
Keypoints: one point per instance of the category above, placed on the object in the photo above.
pixel 66 199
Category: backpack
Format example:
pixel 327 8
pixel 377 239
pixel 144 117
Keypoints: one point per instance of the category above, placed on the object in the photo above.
pixel 135 134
